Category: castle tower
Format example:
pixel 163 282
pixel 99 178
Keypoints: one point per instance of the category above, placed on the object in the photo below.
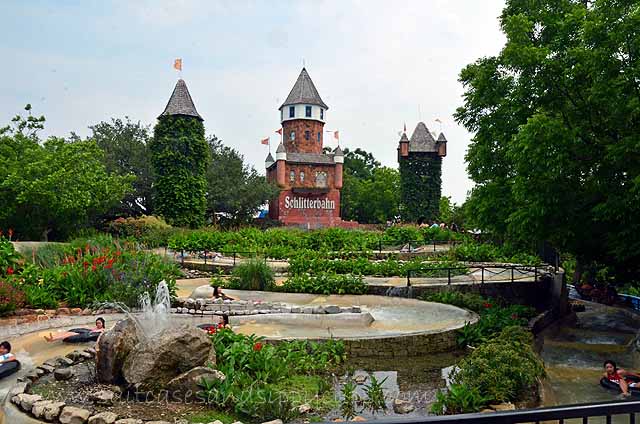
pixel 420 163
pixel 309 180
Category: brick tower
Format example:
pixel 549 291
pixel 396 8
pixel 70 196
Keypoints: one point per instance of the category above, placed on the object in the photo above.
pixel 310 180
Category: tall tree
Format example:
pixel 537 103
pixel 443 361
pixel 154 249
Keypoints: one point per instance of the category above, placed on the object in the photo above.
pixel 556 118
pixel 126 152
pixel 233 187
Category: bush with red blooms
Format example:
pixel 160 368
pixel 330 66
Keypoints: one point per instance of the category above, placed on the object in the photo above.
pixel 11 298
pixel 10 259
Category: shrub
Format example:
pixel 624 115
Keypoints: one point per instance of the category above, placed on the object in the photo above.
pixel 471 301
pixel 253 274
pixel 325 283
pixel 49 254
pixel 151 231
pixel 459 400
pixel 11 298
pixel 9 258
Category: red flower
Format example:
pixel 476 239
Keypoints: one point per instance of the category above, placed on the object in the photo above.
pixel 10 232
pixel 93 268
pixel 487 305
pixel 9 271
pixel 221 325
pixel 257 347
pixel 514 316
pixel 85 264
pixel 211 330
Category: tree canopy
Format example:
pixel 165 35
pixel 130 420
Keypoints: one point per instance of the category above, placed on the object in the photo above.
pixel 556 117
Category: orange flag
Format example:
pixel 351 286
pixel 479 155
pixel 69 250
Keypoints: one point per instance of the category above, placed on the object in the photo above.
pixel 336 135
pixel 177 64
pixel 265 141
pixel 279 131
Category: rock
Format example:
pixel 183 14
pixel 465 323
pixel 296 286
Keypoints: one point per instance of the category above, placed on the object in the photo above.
pixel 63 311
pixel 190 381
pixel 485 411
pixel 360 379
pixel 506 406
pixel 75 311
pixel 47 368
pixel 103 418
pixel 19 388
pixel 358 418
pixel 52 410
pixel 38 408
pixel 202 292
pixel 237 422
pixel 355 310
pixel 91 351
pixel 304 408
pixel 102 397
pixel 64 362
pixel 402 406
pixel 332 309
pixel 216 422
pixel 273 422
pixel 73 415
pixel 86 355
pixel 62 374
pixel 26 401
pixel 32 376
pixel 158 422
pixel 318 309
pixel 76 356
pixel 113 348
pixel 129 421
pixel 175 351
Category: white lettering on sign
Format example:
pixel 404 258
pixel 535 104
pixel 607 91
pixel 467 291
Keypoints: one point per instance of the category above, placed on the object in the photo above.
pixel 304 203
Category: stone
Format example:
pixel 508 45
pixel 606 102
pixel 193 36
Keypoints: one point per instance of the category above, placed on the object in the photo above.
pixel 360 379
pixel 237 422
pixel 505 406
pixel 113 348
pixel 62 374
pixel 86 355
pixel 64 362
pixel 47 368
pixel 129 421
pixel 273 422
pixel 191 380
pixel 38 408
pixel 216 422
pixel 26 401
pixel 73 415
pixel 332 309
pixel 296 310
pixel 304 408
pixel 158 422
pixel 102 397
pixel 52 410
pixel 174 351
pixel 91 351
pixel 63 311
pixel 32 376
pixel 307 310
pixel 202 292
pixel 103 418
pixel 19 388
pixel 75 311
pixel 402 406
pixel 358 418
pixel 76 356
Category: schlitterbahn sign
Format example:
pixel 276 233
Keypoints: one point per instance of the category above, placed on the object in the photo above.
pixel 304 203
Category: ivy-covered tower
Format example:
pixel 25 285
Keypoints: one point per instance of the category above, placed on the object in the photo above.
pixel 180 155
pixel 420 162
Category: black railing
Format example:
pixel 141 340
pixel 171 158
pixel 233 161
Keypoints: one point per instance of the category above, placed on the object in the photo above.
pixel 523 271
pixel 559 414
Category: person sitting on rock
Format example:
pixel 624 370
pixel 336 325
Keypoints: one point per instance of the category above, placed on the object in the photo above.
pixel 90 334
pixel 619 376
pixel 217 294
pixel 5 353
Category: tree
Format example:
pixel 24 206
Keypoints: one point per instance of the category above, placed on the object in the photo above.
pixel 370 193
pixel 126 152
pixel 55 187
pixel 180 156
pixel 233 187
pixel 556 118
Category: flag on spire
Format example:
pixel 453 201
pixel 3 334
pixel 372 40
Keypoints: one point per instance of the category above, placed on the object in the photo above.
pixel 279 131
pixel 177 64
pixel 438 120
pixel 405 127
pixel 336 135
pixel 265 141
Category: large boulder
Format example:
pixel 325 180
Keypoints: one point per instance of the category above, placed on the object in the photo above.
pixel 113 348
pixel 202 292
pixel 152 364
pixel 190 381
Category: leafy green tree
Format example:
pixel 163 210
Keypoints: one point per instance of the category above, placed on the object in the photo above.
pixel 233 187
pixel 180 156
pixel 556 117
pixel 126 152
pixel 55 187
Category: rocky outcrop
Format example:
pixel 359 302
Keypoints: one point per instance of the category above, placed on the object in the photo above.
pixel 73 415
pixel 403 406
pixel 103 418
pixel 192 380
pixel 114 347
pixel 152 365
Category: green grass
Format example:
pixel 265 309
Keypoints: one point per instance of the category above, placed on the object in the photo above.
pixel 314 390
pixel 210 416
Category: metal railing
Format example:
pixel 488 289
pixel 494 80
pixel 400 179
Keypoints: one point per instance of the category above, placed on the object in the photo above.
pixel 557 414
pixel 523 270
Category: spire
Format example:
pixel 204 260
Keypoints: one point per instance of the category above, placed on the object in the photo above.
pixel 338 151
pixel 281 148
pixel 180 102
pixel 269 161
pixel 422 140
pixel 304 92
pixel 404 138
pixel 441 138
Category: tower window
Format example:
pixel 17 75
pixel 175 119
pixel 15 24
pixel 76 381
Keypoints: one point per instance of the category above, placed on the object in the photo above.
pixel 321 113
pixel 292 111
pixel 307 111
pixel 301 176
pixel 292 176
pixel 319 136
pixel 292 136
pixel 307 135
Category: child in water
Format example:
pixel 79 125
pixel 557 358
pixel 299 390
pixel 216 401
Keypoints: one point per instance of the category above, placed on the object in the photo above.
pixel 99 328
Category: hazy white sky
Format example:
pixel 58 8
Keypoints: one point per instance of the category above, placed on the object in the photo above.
pixel 377 65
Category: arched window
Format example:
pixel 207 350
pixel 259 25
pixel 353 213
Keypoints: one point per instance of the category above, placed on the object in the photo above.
pixel 292 136
pixel 307 135
pixel 319 136
pixel 292 111
pixel 307 111
pixel 301 176
pixel 292 176
pixel 321 113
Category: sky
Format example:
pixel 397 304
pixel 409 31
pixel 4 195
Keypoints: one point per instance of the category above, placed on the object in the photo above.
pixel 377 64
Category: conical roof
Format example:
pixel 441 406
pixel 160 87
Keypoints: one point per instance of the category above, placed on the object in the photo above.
pixel 404 138
pixel 338 151
pixel 442 138
pixel 269 160
pixel 421 140
pixel 281 148
pixel 180 102
pixel 304 92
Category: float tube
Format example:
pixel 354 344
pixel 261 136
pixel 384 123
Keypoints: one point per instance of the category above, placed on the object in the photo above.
pixel 9 368
pixel 608 384
pixel 83 335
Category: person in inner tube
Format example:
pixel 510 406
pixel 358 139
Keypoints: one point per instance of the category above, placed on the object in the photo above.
pixel 99 328
pixel 217 294
pixel 5 353
pixel 619 376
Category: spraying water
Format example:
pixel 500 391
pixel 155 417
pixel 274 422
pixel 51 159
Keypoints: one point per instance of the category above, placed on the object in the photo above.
pixel 155 314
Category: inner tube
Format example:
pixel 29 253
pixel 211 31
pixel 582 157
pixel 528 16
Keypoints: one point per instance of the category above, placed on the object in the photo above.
pixel 608 384
pixel 83 337
pixel 9 368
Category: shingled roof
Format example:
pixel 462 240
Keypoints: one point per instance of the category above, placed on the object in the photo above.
pixel 181 103
pixel 421 140
pixel 304 92
pixel 315 158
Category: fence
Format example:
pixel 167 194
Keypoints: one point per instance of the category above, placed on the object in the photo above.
pixel 557 414
pixel 485 270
